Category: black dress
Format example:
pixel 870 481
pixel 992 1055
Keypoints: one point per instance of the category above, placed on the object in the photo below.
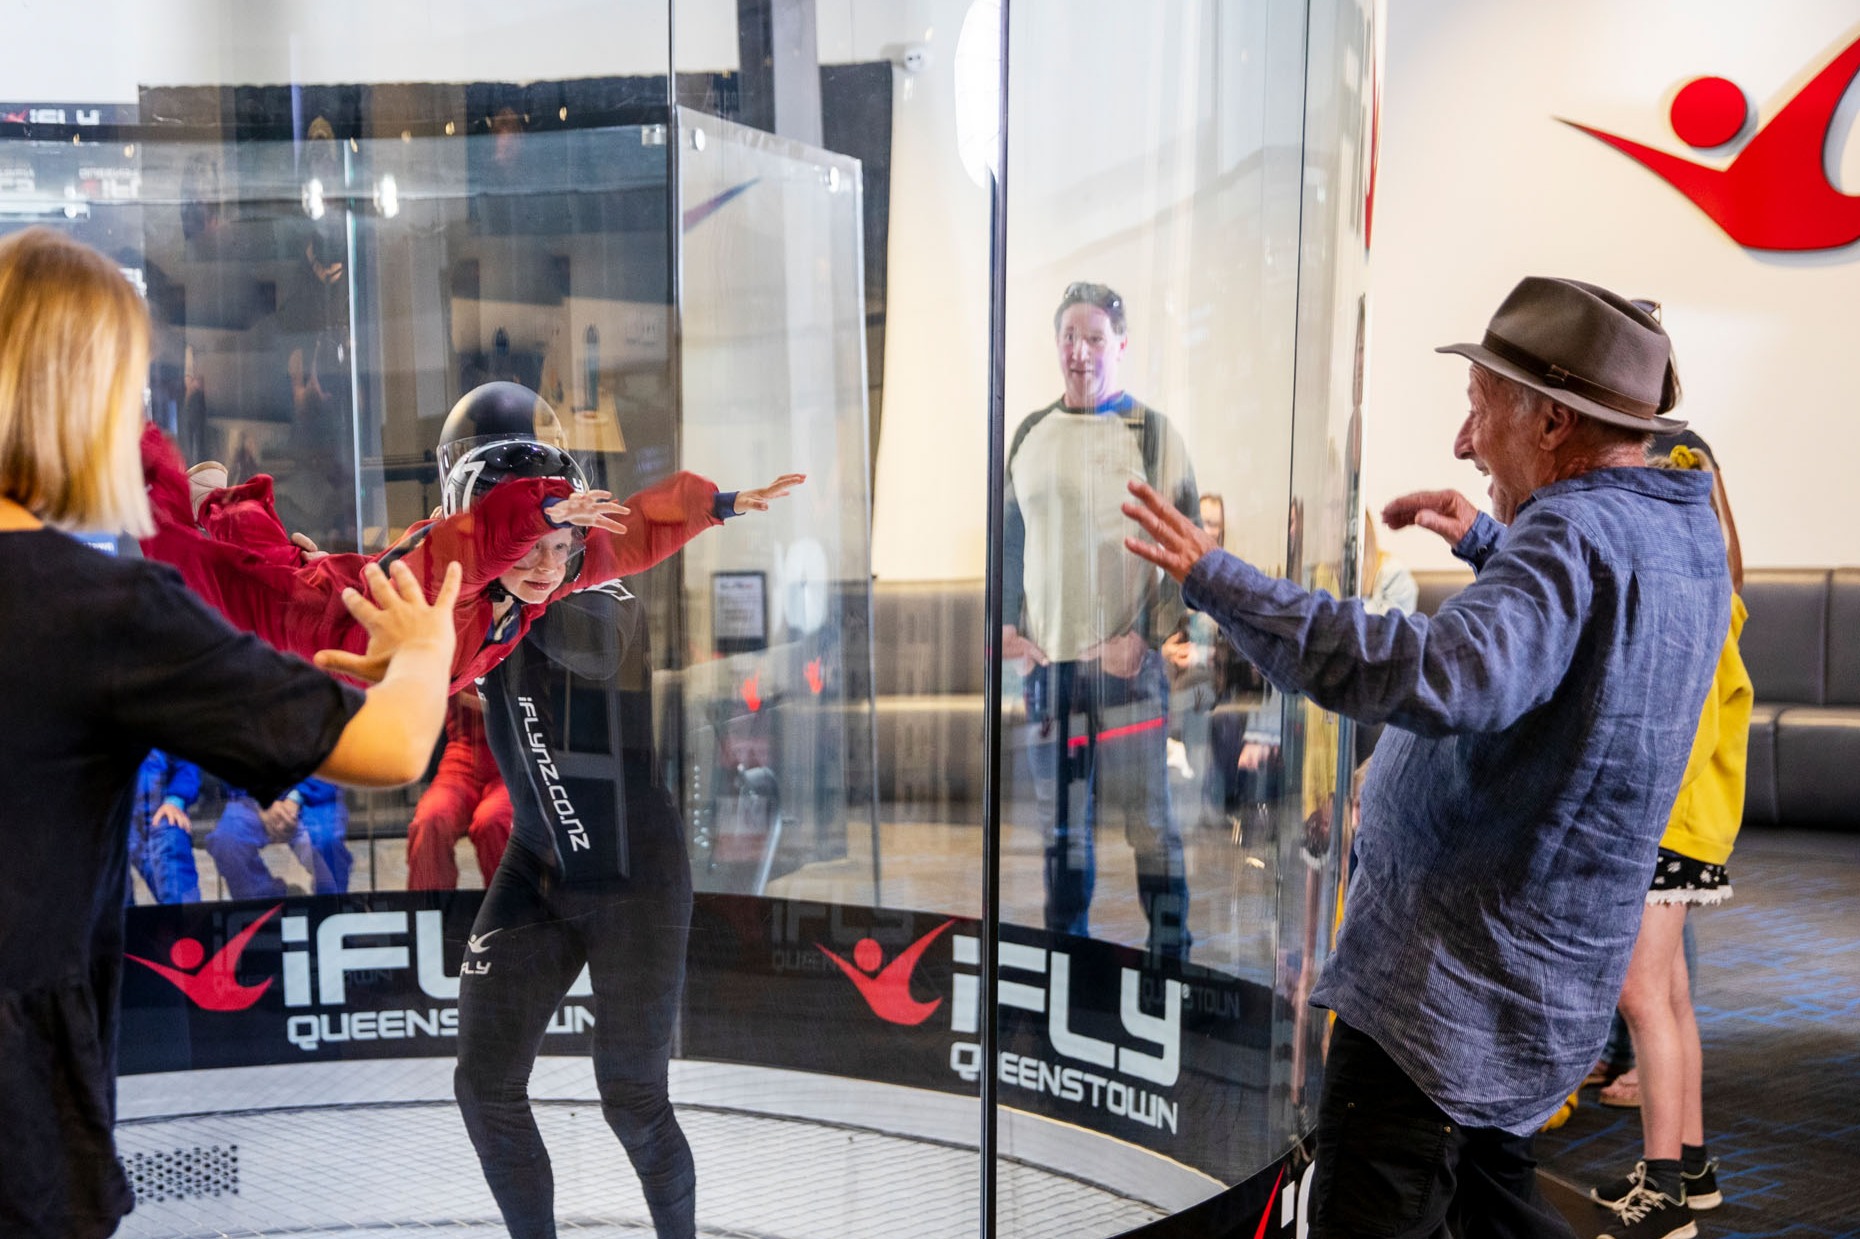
pixel 105 659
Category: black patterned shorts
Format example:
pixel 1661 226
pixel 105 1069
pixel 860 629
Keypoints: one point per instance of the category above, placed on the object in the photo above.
pixel 1680 879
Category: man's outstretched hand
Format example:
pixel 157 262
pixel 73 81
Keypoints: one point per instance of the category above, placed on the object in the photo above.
pixel 1445 512
pixel 1179 542
pixel 757 500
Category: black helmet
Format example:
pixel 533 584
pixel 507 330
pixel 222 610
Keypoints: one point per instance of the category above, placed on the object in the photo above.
pixel 492 412
pixel 492 461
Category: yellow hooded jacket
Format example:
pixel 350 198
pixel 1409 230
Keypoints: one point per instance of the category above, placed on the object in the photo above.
pixel 1711 796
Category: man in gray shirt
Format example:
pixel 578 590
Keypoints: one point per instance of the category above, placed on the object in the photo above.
pixel 1086 621
pixel 1538 728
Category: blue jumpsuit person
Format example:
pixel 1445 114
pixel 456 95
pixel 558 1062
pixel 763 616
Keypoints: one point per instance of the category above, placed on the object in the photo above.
pixel 160 845
pixel 312 818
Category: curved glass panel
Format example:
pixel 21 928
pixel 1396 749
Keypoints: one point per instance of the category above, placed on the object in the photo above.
pixel 1175 255
pixel 741 930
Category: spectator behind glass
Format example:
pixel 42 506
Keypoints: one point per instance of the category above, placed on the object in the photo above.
pixel 1390 586
pixel 311 819
pixel 107 659
pixel 467 797
pixel 161 847
pixel 1387 586
pixel 1086 621
pixel 1206 674
pixel 316 484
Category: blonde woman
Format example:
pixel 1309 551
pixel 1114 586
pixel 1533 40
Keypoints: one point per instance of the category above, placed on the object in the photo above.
pixel 107 659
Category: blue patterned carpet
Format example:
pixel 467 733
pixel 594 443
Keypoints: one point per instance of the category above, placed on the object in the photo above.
pixel 1778 998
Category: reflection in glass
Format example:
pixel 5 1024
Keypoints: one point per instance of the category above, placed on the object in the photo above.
pixel 772 381
pixel 792 752
pixel 1180 209
pixel 1085 621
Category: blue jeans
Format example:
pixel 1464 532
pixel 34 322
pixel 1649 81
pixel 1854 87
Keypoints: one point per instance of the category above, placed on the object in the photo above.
pixel 164 856
pixel 320 845
pixel 1100 744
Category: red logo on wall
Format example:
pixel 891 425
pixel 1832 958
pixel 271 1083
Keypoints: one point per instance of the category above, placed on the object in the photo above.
pixel 888 993
pixel 214 985
pixel 1775 193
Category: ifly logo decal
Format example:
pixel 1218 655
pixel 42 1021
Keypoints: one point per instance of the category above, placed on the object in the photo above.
pixel 1039 981
pixel 323 960
pixel 1292 1203
pixel 372 944
pixel 213 985
pixel 888 990
pixel 1775 193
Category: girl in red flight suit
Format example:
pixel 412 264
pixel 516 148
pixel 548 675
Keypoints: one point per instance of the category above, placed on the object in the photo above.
pixel 300 609
pixel 513 505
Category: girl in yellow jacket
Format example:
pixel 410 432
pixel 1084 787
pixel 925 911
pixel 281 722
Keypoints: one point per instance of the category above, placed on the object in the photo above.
pixel 1657 999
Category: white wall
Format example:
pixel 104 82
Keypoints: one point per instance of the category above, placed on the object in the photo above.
pixel 929 520
pixel 1479 185
pixel 1141 156
pixel 100 51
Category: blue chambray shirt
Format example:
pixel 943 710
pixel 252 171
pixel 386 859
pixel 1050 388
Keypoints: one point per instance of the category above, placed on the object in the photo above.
pixel 1539 726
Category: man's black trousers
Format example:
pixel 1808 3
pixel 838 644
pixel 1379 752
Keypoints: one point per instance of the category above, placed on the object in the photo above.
pixel 1391 1164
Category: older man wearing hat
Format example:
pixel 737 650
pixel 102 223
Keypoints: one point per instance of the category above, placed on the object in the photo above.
pixel 1538 728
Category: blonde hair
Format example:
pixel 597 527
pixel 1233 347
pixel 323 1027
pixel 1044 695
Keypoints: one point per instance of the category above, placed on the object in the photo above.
pixel 74 356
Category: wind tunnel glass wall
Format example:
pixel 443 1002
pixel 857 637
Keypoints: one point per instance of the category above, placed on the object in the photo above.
pixel 317 309
pixel 772 374
pixel 789 706
pixel 1175 263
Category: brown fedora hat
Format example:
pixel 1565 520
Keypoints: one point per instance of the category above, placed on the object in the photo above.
pixel 1585 347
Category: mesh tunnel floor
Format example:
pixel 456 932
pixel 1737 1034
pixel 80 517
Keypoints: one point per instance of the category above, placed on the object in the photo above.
pixel 408 1167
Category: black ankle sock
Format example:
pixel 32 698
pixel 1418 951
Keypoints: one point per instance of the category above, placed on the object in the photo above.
pixel 1663 1176
pixel 1694 1157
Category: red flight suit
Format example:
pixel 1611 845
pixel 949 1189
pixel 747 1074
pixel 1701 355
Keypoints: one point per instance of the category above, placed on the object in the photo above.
pixel 246 568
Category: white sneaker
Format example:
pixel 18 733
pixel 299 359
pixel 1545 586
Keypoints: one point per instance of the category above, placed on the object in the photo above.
pixel 1178 758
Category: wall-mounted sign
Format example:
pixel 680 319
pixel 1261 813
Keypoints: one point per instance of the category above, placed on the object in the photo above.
pixel 1774 194
pixel 739 612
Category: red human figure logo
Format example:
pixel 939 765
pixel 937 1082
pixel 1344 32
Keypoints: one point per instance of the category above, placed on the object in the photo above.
pixel 888 993
pixel 1775 193
pixel 215 986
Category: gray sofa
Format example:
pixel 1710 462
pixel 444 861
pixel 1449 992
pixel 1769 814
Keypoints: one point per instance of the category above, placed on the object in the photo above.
pixel 927 639
pixel 1802 647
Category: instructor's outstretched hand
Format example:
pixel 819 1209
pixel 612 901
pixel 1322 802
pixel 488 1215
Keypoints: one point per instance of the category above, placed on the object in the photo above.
pixel 410 641
pixel 1446 512
pixel 399 621
pixel 1179 542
